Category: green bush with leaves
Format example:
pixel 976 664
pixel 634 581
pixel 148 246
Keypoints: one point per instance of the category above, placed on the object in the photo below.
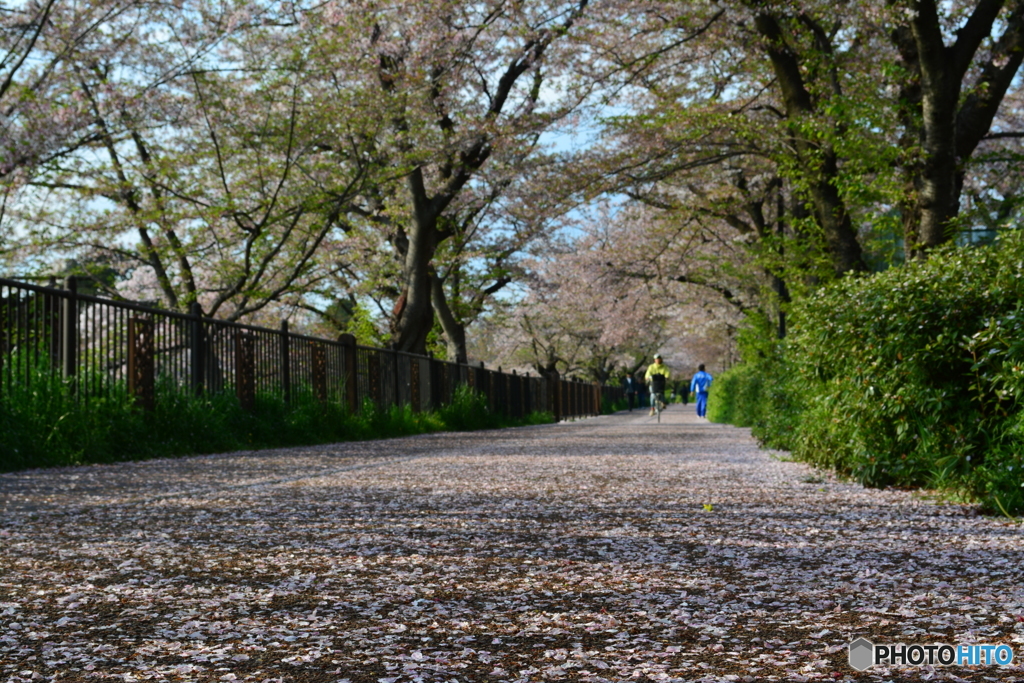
pixel 909 377
pixel 609 406
pixel 468 411
pixel 759 395
pixel 738 396
pixel 760 392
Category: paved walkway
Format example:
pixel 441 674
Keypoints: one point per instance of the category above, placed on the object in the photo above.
pixel 609 549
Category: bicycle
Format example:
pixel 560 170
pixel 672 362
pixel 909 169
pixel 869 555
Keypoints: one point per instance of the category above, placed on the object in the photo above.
pixel 658 395
pixel 659 404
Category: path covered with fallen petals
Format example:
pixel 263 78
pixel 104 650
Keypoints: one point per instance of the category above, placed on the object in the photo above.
pixel 608 549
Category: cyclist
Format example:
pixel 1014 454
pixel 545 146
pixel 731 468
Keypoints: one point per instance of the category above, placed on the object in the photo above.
pixel 656 377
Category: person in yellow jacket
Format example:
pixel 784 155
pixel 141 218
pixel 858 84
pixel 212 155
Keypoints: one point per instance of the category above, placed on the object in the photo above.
pixel 657 377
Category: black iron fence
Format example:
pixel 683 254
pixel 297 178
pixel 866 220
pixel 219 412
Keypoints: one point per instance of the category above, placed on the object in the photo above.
pixel 100 347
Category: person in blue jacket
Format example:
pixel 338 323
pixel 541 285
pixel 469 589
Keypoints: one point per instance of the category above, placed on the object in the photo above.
pixel 699 385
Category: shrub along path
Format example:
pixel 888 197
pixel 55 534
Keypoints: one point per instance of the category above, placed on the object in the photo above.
pixel 608 549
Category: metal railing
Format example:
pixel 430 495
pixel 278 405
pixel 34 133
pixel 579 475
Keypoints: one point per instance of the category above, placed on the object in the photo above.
pixel 100 348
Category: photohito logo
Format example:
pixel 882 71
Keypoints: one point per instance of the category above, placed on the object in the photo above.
pixel 864 654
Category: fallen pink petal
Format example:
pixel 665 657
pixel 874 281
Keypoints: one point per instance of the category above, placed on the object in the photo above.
pixel 571 552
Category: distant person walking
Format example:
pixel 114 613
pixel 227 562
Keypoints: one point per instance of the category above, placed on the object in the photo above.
pixel 699 385
pixel 630 386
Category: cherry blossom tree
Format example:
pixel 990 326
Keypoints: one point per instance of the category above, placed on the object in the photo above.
pixel 520 204
pixel 206 176
pixel 767 97
pixel 460 86
pixel 604 301
pixel 36 121
pixel 827 94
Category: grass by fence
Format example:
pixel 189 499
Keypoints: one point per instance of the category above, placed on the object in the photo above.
pixel 84 378
pixel 46 426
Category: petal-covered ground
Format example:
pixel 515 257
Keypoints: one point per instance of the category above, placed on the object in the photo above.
pixel 608 549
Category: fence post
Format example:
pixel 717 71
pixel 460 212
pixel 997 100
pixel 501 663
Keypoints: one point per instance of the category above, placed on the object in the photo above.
pixel 524 389
pixel 319 368
pixel 286 362
pixel 69 331
pixel 141 362
pixel 444 372
pixel 414 384
pixel 528 406
pixel 504 394
pixel 53 306
pixel 245 370
pixel 493 388
pixel 514 397
pixel 428 379
pixel 348 341
pixel 555 395
pixel 435 384
pixel 197 348
pixel 524 394
pixel 398 383
pixel 373 371
pixel 565 394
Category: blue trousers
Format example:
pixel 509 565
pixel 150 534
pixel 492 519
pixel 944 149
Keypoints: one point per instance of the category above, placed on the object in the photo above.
pixel 702 404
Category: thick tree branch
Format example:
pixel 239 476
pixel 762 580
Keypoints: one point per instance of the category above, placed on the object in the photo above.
pixel 970 37
pixel 997 73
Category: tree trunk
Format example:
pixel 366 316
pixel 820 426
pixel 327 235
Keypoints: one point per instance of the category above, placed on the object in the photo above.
pixel 938 203
pixel 830 212
pixel 951 127
pixel 415 315
pixel 817 159
pixel 778 283
pixel 454 331
pixel 548 369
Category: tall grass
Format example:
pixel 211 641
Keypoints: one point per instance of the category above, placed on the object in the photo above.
pixel 609 406
pixel 43 424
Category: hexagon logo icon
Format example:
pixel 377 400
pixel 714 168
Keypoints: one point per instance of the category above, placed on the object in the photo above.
pixel 862 654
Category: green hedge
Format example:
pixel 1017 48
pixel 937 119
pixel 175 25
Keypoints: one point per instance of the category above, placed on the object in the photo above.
pixel 738 396
pixel 761 392
pixel 910 377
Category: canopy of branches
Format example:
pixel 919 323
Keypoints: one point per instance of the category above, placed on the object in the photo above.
pixel 564 185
